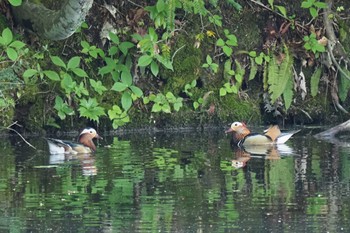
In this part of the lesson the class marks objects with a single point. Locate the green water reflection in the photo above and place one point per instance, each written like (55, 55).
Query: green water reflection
(175, 182)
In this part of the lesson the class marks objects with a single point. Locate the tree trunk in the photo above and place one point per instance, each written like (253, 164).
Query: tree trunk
(51, 24)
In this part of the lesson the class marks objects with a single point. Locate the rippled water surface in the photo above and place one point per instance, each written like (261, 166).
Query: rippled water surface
(176, 182)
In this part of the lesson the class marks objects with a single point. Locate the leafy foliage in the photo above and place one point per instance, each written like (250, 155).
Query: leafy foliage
(280, 77)
(315, 79)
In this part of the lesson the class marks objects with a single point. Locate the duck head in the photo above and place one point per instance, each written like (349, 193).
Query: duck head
(239, 130)
(86, 137)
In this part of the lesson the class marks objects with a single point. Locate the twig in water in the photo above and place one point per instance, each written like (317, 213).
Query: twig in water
(15, 123)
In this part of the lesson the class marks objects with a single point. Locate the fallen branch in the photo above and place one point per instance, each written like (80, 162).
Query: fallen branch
(330, 133)
(13, 130)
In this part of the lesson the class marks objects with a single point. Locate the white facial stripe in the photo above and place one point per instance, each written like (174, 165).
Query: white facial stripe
(236, 124)
(89, 131)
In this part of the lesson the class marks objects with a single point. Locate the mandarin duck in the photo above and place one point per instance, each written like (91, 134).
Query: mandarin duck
(243, 137)
(85, 145)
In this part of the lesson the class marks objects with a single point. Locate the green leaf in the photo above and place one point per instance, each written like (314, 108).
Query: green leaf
(113, 50)
(320, 5)
(126, 101)
(156, 107)
(160, 5)
(222, 91)
(62, 108)
(232, 40)
(58, 61)
(154, 68)
(227, 50)
(125, 46)
(252, 53)
(12, 54)
(15, 2)
(220, 42)
(209, 60)
(119, 86)
(144, 60)
(17, 44)
(315, 79)
(344, 85)
(283, 10)
(166, 108)
(90, 109)
(313, 12)
(52, 75)
(7, 36)
(136, 90)
(98, 86)
(73, 62)
(114, 38)
(271, 3)
(29, 73)
(126, 77)
(79, 72)
(307, 4)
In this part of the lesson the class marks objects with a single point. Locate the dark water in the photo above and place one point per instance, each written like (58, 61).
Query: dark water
(176, 182)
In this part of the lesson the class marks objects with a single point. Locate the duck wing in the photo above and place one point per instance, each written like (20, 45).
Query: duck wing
(284, 136)
(256, 139)
(58, 146)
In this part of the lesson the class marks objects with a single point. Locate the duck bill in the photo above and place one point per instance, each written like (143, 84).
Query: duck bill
(229, 130)
(98, 136)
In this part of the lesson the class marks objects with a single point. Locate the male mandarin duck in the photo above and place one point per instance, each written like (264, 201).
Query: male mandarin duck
(85, 145)
(243, 137)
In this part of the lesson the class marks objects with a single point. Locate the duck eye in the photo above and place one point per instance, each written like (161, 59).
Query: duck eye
(91, 132)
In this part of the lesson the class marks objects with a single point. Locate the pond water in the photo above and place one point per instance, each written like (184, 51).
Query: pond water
(176, 181)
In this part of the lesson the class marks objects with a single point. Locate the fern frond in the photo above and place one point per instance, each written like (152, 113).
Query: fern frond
(279, 75)
(253, 69)
(288, 93)
(171, 14)
(315, 79)
(344, 85)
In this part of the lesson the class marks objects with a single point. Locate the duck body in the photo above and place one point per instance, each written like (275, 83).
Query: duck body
(243, 137)
(85, 145)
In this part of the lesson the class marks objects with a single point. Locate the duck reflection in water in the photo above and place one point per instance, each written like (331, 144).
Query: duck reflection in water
(269, 151)
(87, 162)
